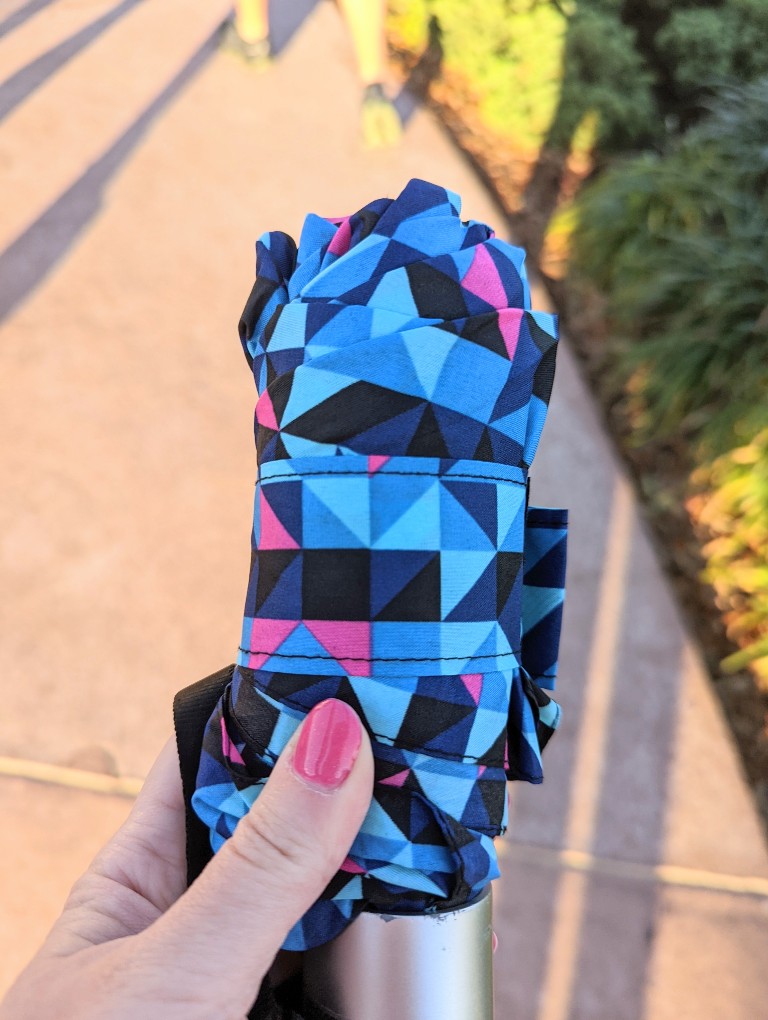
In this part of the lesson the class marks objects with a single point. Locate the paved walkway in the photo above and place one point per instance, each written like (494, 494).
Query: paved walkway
(137, 167)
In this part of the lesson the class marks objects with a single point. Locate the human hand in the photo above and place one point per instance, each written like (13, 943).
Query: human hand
(132, 942)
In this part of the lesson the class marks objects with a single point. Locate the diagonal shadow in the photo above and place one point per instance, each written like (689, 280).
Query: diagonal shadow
(17, 18)
(21, 84)
(27, 261)
(583, 944)
(415, 89)
(285, 19)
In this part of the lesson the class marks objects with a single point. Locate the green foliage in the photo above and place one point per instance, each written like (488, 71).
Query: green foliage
(735, 510)
(509, 52)
(707, 44)
(679, 245)
(604, 75)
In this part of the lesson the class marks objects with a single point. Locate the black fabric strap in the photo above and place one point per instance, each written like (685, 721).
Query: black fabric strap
(192, 708)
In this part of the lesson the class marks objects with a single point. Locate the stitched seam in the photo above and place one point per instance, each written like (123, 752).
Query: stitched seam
(359, 658)
(469, 759)
(367, 474)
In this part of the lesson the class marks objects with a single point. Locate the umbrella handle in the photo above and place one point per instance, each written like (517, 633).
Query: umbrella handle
(436, 966)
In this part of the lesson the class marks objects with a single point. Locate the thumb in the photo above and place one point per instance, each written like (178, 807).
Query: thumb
(218, 940)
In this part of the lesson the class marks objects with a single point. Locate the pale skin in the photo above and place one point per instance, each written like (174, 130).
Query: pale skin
(132, 941)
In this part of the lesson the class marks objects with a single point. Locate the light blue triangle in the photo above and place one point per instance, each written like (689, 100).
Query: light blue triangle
(393, 874)
(302, 642)
(464, 534)
(394, 293)
(289, 331)
(485, 729)
(510, 518)
(385, 321)
(298, 446)
(428, 349)
(513, 424)
(546, 539)
(451, 792)
(378, 822)
(346, 498)
(539, 602)
(503, 647)
(310, 388)
(383, 361)
(418, 527)
(353, 890)
(459, 571)
(356, 269)
(385, 707)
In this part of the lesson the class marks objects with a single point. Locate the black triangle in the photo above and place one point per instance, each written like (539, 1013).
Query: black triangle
(346, 692)
(279, 393)
(435, 294)
(272, 563)
(263, 436)
(351, 411)
(279, 451)
(427, 440)
(494, 795)
(484, 449)
(484, 331)
(508, 566)
(419, 600)
(427, 718)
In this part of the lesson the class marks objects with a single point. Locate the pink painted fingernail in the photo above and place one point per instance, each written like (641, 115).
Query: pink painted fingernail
(494, 941)
(328, 745)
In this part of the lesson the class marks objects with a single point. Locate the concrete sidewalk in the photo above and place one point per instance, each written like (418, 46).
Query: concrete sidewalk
(137, 167)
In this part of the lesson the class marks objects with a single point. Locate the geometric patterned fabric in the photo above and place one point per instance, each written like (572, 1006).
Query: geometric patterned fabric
(403, 384)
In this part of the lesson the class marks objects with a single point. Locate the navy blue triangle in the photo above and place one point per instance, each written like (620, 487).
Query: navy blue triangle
(396, 255)
(548, 571)
(319, 314)
(479, 500)
(480, 601)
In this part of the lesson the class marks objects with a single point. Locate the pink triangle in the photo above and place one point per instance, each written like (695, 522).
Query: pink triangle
(398, 779)
(482, 279)
(375, 460)
(506, 754)
(474, 684)
(340, 242)
(266, 637)
(509, 324)
(480, 770)
(229, 749)
(350, 866)
(348, 641)
(265, 412)
(272, 533)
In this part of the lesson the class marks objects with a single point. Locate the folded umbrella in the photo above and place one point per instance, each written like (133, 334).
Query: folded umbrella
(403, 385)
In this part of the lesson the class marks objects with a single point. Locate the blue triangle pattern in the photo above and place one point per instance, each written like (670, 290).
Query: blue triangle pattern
(396, 564)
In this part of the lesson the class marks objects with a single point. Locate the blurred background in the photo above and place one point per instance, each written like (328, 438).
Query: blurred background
(144, 146)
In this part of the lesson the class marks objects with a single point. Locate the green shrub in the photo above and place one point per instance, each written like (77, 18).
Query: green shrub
(734, 510)
(679, 246)
(509, 52)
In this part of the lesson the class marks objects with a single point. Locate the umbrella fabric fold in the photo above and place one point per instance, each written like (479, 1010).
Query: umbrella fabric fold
(403, 385)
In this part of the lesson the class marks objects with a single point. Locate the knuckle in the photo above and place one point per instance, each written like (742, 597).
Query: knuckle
(265, 842)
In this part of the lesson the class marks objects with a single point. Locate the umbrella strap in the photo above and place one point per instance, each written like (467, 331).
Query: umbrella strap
(192, 708)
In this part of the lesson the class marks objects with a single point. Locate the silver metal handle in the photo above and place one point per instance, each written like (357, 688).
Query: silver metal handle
(410, 966)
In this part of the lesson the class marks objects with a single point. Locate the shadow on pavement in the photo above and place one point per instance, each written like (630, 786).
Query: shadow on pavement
(21, 84)
(30, 258)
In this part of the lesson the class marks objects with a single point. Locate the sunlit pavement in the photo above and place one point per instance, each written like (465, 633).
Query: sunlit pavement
(137, 166)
